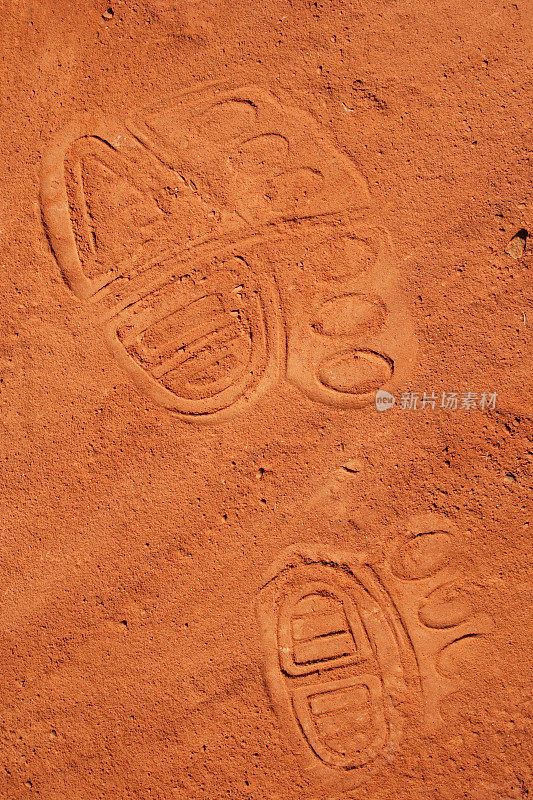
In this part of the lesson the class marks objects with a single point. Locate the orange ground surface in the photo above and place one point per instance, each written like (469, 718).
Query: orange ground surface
(265, 400)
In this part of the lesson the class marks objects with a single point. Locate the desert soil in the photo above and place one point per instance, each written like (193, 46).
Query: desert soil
(233, 234)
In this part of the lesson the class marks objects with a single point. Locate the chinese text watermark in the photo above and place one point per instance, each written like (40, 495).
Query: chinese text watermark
(448, 401)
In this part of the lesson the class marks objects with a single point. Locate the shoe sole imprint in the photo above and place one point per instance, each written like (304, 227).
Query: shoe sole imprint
(200, 342)
(349, 647)
(333, 669)
(228, 175)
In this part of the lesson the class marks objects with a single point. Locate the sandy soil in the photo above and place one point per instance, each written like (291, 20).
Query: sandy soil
(228, 570)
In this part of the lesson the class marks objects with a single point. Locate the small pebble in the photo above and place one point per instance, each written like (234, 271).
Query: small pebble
(517, 245)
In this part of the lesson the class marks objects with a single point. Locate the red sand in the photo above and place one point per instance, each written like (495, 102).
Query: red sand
(225, 572)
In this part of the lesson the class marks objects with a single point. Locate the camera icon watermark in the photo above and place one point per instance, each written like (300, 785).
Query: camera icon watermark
(384, 400)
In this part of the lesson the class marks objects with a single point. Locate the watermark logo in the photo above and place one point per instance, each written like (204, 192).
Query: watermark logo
(384, 400)
(447, 401)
